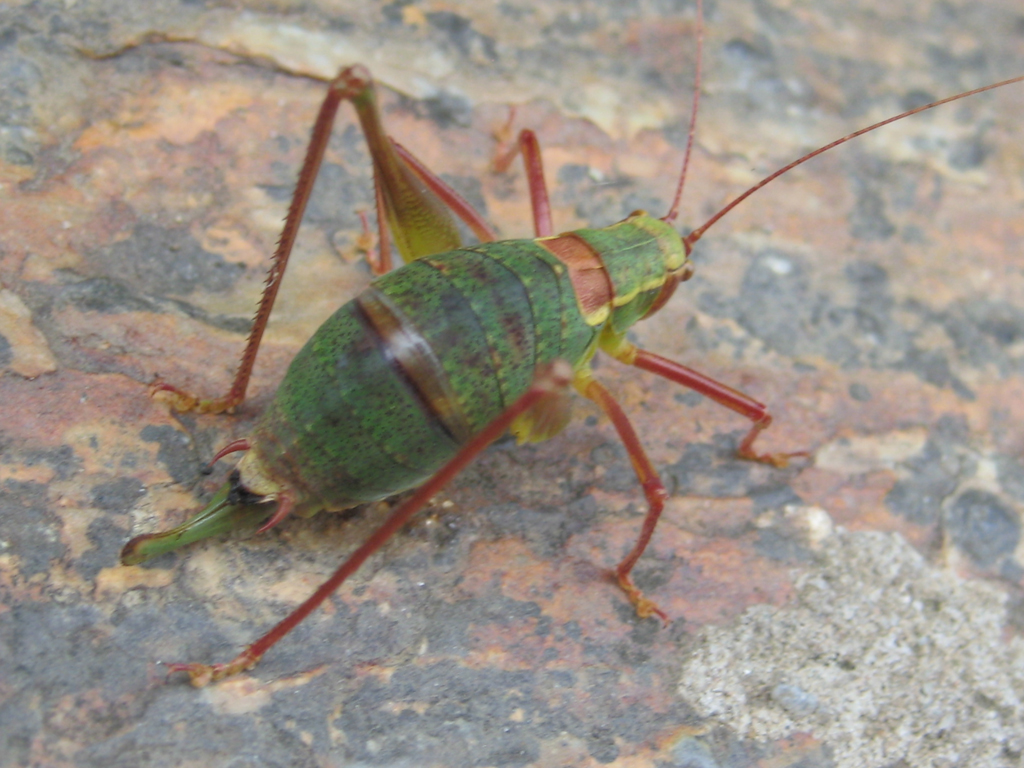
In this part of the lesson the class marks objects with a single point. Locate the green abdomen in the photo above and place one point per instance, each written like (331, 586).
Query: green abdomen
(396, 380)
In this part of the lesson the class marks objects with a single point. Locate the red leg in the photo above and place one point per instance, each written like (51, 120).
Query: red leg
(411, 200)
(503, 136)
(365, 241)
(548, 383)
(654, 491)
(340, 88)
(380, 263)
(530, 149)
(722, 394)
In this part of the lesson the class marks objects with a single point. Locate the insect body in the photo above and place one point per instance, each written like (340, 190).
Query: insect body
(432, 353)
(408, 382)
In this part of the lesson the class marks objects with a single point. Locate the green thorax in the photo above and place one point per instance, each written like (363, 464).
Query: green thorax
(638, 255)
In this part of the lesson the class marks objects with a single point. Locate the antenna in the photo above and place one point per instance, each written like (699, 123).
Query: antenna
(696, 235)
(673, 212)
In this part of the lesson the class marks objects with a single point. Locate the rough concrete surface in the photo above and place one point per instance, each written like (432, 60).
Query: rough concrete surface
(873, 298)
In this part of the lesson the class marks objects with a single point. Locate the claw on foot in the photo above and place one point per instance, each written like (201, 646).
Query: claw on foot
(185, 402)
(201, 675)
(777, 460)
(645, 607)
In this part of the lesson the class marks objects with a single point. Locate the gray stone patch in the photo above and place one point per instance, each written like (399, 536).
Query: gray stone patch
(883, 657)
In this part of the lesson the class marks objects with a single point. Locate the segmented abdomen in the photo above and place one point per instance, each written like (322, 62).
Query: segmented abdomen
(396, 380)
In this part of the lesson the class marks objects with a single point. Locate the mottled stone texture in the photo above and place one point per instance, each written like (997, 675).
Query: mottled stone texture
(875, 298)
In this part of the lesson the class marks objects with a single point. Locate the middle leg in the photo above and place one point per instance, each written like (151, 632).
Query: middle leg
(654, 489)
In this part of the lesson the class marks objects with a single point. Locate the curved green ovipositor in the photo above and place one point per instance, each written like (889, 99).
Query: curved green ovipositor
(225, 512)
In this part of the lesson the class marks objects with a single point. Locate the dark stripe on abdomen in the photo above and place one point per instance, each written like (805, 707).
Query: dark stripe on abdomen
(351, 424)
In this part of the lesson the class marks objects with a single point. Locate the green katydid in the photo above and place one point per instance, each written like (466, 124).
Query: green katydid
(407, 383)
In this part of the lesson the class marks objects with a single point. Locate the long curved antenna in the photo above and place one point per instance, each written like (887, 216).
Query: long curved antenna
(696, 235)
(673, 212)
